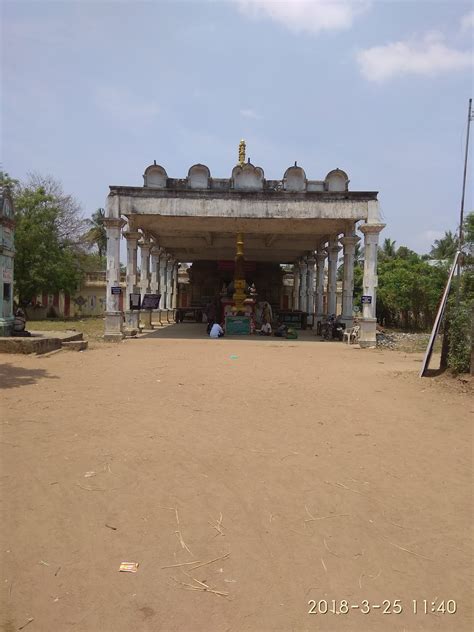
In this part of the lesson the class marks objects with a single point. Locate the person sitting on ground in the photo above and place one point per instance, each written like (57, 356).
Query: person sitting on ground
(19, 323)
(266, 329)
(281, 330)
(216, 331)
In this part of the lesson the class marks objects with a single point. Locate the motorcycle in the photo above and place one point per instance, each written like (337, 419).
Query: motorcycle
(332, 328)
(338, 329)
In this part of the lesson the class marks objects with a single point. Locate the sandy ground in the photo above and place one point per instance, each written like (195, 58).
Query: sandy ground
(314, 471)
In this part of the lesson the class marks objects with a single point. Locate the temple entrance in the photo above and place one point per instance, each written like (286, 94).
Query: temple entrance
(213, 281)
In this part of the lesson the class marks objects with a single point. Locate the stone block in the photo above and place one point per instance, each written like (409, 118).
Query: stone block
(75, 345)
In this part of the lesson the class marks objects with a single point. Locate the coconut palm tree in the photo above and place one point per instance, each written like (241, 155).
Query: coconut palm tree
(444, 248)
(97, 234)
(387, 250)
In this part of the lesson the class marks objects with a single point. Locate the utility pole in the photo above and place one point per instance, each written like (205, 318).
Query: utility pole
(461, 219)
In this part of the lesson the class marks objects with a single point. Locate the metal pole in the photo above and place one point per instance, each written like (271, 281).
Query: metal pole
(461, 219)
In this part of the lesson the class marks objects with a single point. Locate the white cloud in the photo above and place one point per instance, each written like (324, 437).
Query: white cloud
(430, 56)
(249, 113)
(306, 15)
(467, 21)
(124, 106)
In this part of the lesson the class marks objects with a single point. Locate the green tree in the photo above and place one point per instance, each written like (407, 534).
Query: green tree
(405, 253)
(7, 181)
(48, 250)
(387, 250)
(469, 229)
(409, 291)
(97, 234)
(444, 248)
(467, 279)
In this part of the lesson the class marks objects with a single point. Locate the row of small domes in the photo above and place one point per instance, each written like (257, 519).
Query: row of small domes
(247, 175)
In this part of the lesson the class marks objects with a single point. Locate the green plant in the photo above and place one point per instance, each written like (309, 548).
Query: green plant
(459, 338)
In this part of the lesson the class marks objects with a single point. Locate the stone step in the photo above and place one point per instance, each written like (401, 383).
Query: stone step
(75, 345)
(71, 335)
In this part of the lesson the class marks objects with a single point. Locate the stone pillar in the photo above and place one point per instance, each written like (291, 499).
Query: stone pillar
(296, 285)
(310, 284)
(113, 313)
(163, 261)
(332, 251)
(155, 270)
(170, 282)
(131, 317)
(145, 247)
(175, 285)
(368, 323)
(303, 285)
(320, 259)
(349, 242)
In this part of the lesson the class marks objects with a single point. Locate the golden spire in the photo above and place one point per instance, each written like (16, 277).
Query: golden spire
(242, 153)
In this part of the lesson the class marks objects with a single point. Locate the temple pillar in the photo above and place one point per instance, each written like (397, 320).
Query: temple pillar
(113, 313)
(303, 285)
(296, 286)
(333, 251)
(320, 259)
(169, 282)
(145, 247)
(368, 324)
(349, 242)
(154, 269)
(131, 316)
(163, 267)
(175, 285)
(310, 284)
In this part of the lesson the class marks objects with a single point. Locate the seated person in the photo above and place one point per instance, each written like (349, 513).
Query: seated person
(19, 323)
(266, 329)
(281, 330)
(216, 331)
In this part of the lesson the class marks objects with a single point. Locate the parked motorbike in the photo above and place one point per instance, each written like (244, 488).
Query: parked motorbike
(338, 329)
(333, 328)
(327, 327)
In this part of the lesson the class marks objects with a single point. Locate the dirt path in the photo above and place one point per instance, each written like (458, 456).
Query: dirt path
(319, 471)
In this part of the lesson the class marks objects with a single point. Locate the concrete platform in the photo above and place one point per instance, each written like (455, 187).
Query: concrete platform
(40, 342)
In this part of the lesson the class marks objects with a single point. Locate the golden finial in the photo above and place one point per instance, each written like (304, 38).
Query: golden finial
(242, 153)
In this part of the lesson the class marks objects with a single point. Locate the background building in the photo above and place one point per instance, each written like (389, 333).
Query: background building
(7, 255)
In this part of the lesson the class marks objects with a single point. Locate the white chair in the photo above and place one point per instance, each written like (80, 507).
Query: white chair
(351, 334)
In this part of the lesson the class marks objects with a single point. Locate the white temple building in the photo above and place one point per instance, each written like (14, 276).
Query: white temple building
(298, 221)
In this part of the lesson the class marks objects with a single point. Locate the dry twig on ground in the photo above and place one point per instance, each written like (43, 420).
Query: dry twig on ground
(202, 587)
(328, 549)
(218, 526)
(181, 564)
(223, 557)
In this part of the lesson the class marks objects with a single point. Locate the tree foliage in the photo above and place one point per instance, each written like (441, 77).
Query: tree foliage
(69, 222)
(7, 181)
(49, 239)
(445, 248)
(97, 235)
(459, 337)
(387, 250)
(409, 291)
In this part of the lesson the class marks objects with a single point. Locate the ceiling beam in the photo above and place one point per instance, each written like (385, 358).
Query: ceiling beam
(269, 239)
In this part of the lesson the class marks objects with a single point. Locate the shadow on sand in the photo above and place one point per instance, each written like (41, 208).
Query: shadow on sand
(14, 376)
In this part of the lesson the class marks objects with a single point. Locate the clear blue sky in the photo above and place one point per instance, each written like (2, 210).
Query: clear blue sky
(93, 92)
